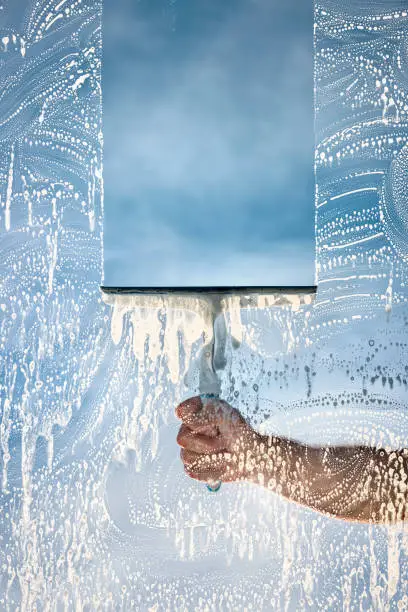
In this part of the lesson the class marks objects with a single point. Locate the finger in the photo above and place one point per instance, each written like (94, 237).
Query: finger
(202, 466)
(203, 476)
(198, 416)
(213, 413)
(211, 475)
(202, 462)
(222, 466)
(205, 430)
(211, 471)
(199, 443)
(210, 414)
(190, 457)
(189, 407)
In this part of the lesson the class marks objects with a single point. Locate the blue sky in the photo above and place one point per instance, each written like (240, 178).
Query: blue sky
(208, 131)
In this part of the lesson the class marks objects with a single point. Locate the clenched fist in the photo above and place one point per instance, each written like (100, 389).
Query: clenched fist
(217, 443)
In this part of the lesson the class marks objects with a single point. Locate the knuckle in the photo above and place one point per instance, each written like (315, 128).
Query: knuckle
(180, 438)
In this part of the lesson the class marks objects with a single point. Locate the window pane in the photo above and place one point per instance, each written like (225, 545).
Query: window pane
(208, 133)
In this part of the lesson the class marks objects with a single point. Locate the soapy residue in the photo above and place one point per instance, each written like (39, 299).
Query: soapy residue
(96, 511)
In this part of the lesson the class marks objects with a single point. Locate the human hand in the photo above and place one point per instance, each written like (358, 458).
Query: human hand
(217, 443)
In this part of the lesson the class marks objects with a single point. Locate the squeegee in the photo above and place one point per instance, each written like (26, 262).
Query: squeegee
(208, 165)
(210, 305)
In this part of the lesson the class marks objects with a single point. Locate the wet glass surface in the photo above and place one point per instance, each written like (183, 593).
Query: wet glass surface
(96, 510)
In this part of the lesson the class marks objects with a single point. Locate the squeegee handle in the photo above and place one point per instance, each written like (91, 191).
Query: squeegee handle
(212, 486)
